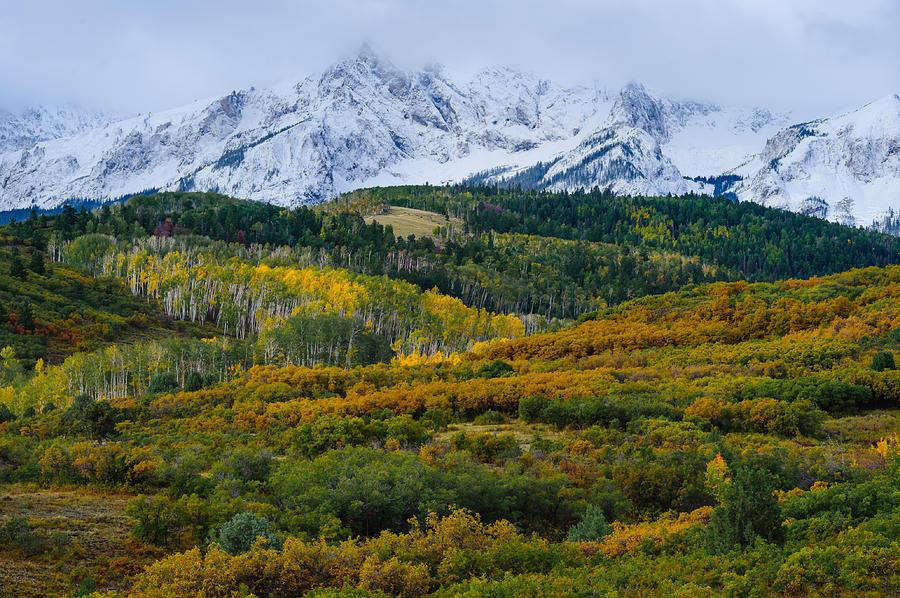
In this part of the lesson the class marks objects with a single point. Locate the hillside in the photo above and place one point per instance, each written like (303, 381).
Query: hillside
(553, 255)
(49, 311)
(752, 241)
(299, 420)
(633, 432)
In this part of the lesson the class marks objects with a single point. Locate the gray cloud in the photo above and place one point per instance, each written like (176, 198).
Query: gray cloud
(815, 56)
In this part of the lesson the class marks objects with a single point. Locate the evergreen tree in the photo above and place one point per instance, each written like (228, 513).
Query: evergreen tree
(193, 381)
(164, 382)
(883, 360)
(748, 510)
(17, 268)
(26, 316)
(5, 414)
(100, 419)
(240, 533)
(592, 527)
(36, 264)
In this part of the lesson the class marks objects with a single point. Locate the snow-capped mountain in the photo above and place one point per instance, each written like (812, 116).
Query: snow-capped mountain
(359, 121)
(845, 168)
(23, 129)
(365, 122)
(624, 159)
(649, 145)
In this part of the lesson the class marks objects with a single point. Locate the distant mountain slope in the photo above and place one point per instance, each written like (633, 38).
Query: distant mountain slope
(24, 129)
(846, 167)
(649, 146)
(363, 122)
(304, 143)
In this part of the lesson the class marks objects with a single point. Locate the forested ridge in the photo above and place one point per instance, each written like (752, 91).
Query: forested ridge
(761, 243)
(552, 254)
(551, 395)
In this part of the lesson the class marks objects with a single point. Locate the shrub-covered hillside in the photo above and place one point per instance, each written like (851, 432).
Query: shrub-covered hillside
(341, 430)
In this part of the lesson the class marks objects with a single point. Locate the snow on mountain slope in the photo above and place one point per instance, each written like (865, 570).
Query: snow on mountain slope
(846, 167)
(622, 158)
(364, 122)
(24, 129)
(713, 141)
(648, 145)
(304, 143)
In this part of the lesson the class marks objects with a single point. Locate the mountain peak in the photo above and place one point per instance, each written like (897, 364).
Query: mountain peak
(888, 102)
(879, 117)
(891, 102)
(366, 54)
(635, 107)
(634, 88)
(365, 50)
(356, 73)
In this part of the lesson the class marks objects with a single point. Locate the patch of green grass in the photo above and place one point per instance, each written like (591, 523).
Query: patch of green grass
(409, 221)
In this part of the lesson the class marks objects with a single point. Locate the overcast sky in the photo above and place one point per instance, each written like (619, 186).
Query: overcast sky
(813, 56)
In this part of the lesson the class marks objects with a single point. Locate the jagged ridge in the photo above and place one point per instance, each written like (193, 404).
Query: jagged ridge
(364, 122)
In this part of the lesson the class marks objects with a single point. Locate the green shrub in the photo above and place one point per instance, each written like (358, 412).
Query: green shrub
(6, 415)
(326, 432)
(238, 535)
(883, 360)
(406, 430)
(156, 519)
(436, 419)
(856, 501)
(495, 369)
(17, 533)
(96, 419)
(183, 471)
(488, 447)
(831, 395)
(245, 464)
(592, 527)
(749, 510)
(531, 408)
(490, 417)
(100, 419)
(160, 383)
(369, 490)
(180, 523)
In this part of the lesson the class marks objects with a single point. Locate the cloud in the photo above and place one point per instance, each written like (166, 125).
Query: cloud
(815, 56)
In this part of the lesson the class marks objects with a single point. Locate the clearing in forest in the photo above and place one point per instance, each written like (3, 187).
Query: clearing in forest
(410, 221)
